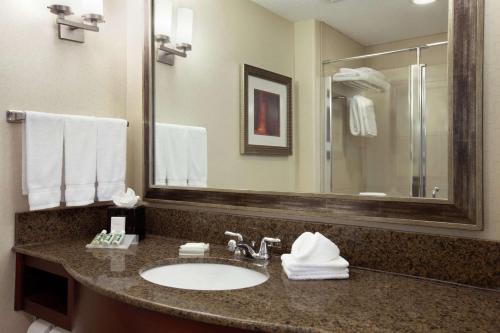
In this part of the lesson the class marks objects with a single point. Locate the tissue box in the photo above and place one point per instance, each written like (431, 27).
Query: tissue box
(134, 219)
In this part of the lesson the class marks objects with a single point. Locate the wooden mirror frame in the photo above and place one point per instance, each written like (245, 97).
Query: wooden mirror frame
(462, 210)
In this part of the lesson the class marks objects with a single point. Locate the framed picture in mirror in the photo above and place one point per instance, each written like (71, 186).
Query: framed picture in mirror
(266, 113)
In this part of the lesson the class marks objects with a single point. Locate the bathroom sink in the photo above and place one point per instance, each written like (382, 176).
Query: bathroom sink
(204, 276)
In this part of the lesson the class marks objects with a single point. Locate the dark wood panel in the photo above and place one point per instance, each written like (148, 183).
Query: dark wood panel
(99, 314)
(44, 290)
(465, 207)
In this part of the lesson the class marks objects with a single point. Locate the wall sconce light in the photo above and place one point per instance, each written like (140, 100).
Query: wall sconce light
(166, 52)
(74, 31)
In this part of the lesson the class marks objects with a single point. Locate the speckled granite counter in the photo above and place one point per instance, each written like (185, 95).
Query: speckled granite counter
(367, 302)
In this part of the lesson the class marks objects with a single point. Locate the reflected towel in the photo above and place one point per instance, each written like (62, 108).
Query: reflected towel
(172, 155)
(197, 157)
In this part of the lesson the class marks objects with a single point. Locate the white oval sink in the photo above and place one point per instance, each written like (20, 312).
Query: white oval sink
(204, 276)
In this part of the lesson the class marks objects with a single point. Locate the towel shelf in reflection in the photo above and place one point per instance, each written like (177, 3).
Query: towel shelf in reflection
(16, 116)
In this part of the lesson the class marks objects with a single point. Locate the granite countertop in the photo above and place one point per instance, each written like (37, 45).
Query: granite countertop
(368, 301)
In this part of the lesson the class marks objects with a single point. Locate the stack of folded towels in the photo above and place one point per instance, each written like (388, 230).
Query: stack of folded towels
(193, 249)
(314, 257)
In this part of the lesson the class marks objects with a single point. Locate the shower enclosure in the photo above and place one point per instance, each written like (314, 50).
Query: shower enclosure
(410, 99)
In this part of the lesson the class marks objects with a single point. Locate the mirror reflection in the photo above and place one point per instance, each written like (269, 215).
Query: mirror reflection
(320, 96)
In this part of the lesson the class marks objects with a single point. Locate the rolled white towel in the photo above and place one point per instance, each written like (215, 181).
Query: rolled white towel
(314, 248)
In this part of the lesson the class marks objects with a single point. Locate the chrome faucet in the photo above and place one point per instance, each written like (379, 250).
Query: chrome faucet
(245, 248)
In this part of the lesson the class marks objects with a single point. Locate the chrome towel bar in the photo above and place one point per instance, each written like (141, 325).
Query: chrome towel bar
(16, 116)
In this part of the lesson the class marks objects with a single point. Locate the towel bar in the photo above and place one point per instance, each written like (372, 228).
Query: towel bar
(16, 116)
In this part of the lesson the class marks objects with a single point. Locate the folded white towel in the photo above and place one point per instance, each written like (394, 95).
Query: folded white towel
(368, 116)
(362, 121)
(364, 76)
(362, 70)
(314, 248)
(197, 157)
(314, 257)
(80, 154)
(172, 151)
(354, 117)
(317, 276)
(373, 194)
(161, 156)
(111, 157)
(42, 159)
(292, 264)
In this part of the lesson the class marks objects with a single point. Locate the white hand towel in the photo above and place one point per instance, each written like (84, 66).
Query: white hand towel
(354, 117)
(314, 248)
(39, 326)
(161, 156)
(338, 264)
(368, 116)
(42, 159)
(197, 157)
(80, 154)
(111, 157)
(175, 146)
(317, 276)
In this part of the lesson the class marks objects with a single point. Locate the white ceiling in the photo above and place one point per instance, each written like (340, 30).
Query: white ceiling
(368, 22)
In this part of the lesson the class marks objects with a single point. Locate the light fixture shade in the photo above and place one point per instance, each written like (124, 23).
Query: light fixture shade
(76, 5)
(95, 7)
(184, 26)
(163, 17)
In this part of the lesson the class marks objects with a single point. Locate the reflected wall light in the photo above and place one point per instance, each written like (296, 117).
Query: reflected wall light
(74, 31)
(166, 52)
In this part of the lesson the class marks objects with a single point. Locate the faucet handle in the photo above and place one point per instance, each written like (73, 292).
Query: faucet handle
(263, 252)
(271, 241)
(234, 234)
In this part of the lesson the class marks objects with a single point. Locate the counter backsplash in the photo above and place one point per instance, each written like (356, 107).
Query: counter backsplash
(460, 260)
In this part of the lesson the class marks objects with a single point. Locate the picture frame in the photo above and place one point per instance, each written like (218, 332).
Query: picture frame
(266, 113)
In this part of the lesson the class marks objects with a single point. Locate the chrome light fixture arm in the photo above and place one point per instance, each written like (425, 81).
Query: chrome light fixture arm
(71, 30)
(166, 54)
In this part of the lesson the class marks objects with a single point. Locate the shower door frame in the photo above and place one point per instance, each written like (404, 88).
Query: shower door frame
(417, 108)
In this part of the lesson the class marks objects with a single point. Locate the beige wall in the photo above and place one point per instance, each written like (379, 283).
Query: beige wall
(307, 86)
(347, 150)
(204, 89)
(40, 72)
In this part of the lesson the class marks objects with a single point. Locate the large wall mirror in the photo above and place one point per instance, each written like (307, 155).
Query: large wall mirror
(355, 108)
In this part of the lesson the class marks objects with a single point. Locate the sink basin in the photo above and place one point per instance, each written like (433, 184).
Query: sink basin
(204, 276)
